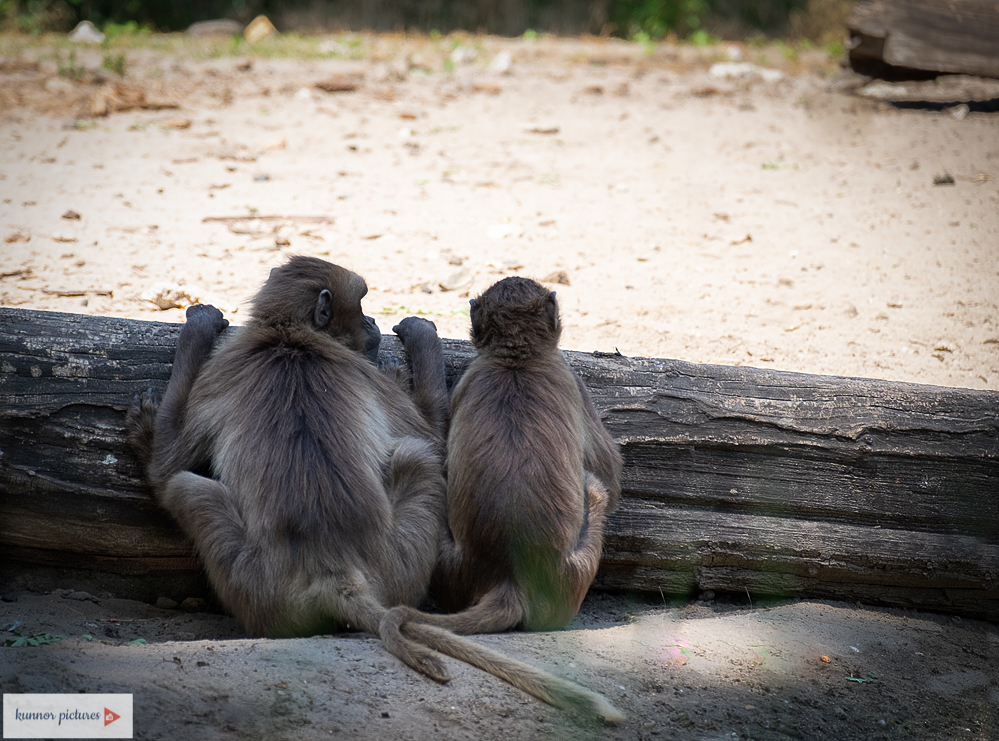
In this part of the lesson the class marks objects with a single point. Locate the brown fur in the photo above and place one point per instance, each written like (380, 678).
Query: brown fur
(532, 474)
(310, 483)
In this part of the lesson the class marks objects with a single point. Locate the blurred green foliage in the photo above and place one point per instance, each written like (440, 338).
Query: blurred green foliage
(646, 21)
(656, 18)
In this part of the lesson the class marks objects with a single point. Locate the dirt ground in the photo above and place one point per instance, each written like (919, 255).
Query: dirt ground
(705, 671)
(777, 219)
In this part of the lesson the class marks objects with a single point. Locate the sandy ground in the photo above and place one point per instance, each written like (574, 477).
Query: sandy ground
(718, 220)
(772, 223)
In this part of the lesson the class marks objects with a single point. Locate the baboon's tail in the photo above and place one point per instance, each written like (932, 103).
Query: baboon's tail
(140, 421)
(358, 608)
(491, 614)
(499, 609)
(555, 691)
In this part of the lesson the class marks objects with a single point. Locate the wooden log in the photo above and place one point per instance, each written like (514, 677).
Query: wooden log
(900, 39)
(736, 479)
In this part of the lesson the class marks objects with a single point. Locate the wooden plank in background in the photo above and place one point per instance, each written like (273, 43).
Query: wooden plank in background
(936, 36)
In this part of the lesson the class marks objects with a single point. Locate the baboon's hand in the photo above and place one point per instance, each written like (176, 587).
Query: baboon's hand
(415, 329)
(206, 316)
(373, 339)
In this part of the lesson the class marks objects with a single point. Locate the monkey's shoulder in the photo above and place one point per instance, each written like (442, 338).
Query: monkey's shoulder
(547, 369)
(300, 378)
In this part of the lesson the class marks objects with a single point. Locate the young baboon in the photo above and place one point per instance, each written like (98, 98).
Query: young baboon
(310, 482)
(532, 474)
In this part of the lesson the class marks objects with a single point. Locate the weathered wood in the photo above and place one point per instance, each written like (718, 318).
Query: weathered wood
(735, 479)
(900, 38)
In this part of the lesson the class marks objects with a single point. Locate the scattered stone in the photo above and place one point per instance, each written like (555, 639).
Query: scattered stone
(218, 27)
(559, 276)
(463, 55)
(944, 179)
(86, 33)
(743, 70)
(80, 596)
(501, 63)
(15, 237)
(259, 29)
(457, 281)
(193, 604)
(9, 597)
(71, 215)
(959, 111)
(339, 84)
(884, 90)
(177, 123)
(165, 603)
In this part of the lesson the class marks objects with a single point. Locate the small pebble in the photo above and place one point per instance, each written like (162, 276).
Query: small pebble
(193, 604)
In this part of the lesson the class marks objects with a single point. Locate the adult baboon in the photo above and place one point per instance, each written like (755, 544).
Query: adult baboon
(531, 475)
(310, 482)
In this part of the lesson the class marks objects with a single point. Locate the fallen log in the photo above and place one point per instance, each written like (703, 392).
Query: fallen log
(736, 479)
(916, 39)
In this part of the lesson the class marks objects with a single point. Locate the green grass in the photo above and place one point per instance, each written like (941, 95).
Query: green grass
(69, 68)
(114, 63)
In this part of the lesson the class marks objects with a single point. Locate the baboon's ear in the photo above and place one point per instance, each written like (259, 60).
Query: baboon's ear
(324, 309)
(551, 306)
